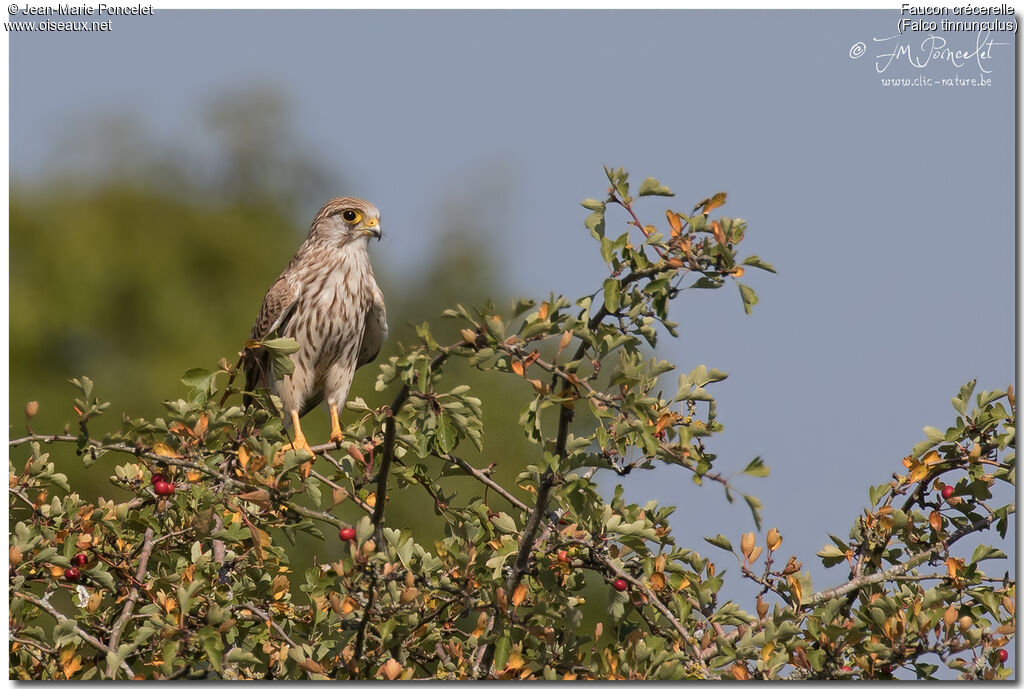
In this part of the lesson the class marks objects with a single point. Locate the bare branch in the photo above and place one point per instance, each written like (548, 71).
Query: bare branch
(60, 617)
(133, 596)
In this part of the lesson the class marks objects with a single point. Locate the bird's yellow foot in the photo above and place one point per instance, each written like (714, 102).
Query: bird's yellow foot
(336, 435)
(298, 444)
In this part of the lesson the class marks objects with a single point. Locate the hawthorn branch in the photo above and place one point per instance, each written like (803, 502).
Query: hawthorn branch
(128, 450)
(659, 606)
(371, 598)
(482, 476)
(894, 573)
(133, 596)
(60, 617)
(902, 568)
(266, 617)
(389, 447)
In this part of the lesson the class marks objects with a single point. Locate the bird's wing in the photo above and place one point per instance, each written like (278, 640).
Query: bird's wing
(278, 307)
(375, 331)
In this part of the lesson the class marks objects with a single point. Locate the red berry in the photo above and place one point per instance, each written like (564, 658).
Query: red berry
(563, 556)
(620, 585)
(1003, 655)
(72, 574)
(80, 560)
(947, 492)
(347, 534)
(163, 488)
(156, 478)
(847, 668)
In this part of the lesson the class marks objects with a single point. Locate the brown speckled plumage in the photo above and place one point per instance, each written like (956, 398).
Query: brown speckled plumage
(328, 301)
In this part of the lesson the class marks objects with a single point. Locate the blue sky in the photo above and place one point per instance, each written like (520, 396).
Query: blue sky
(888, 210)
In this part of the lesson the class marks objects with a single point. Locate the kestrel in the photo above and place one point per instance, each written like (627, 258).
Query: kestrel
(328, 301)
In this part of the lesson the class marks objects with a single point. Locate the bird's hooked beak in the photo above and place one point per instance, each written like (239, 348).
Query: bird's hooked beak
(372, 229)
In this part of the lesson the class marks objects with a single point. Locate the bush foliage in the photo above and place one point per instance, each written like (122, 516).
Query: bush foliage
(196, 583)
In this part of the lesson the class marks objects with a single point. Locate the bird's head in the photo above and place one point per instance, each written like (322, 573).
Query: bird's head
(347, 219)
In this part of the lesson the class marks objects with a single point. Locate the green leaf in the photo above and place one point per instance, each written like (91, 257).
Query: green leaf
(281, 345)
(748, 296)
(987, 552)
(240, 655)
(595, 223)
(756, 262)
(831, 555)
(501, 650)
(757, 467)
(445, 437)
(720, 541)
(755, 509)
(213, 645)
(611, 295)
(652, 187)
(198, 378)
(102, 577)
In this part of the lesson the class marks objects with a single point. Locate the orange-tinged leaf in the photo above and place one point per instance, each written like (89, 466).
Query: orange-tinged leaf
(935, 520)
(954, 565)
(338, 495)
(481, 625)
(795, 588)
(747, 544)
(260, 497)
(919, 473)
(951, 615)
(164, 450)
(932, 458)
(179, 428)
(311, 665)
(739, 672)
(192, 476)
(714, 202)
(70, 662)
(348, 605)
(279, 586)
(657, 581)
(716, 230)
(355, 454)
(564, 342)
(542, 310)
(674, 222)
(243, 456)
(201, 425)
(515, 660)
(762, 607)
(517, 368)
(519, 595)
(391, 669)
(755, 553)
(773, 539)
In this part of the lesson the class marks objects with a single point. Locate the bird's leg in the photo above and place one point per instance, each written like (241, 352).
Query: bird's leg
(300, 440)
(336, 434)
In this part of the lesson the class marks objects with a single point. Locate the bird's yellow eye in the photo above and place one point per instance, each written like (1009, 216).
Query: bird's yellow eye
(351, 216)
